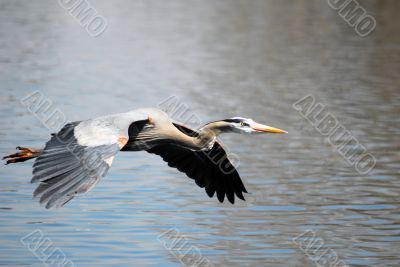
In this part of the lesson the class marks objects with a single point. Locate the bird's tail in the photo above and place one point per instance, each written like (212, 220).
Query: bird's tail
(24, 154)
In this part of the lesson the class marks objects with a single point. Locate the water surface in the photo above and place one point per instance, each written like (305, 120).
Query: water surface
(221, 59)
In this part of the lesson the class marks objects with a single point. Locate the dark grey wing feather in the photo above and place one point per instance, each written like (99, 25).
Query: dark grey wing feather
(65, 168)
(210, 169)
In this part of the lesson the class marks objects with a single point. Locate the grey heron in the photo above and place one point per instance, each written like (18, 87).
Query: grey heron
(75, 159)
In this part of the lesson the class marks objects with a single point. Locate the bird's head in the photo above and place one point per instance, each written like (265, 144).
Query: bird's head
(243, 126)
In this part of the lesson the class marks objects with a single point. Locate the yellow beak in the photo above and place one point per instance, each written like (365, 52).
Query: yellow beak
(267, 129)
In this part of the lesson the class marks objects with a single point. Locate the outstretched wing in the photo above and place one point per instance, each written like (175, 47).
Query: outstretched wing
(66, 168)
(210, 169)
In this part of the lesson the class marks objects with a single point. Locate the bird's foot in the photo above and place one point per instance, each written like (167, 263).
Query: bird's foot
(24, 154)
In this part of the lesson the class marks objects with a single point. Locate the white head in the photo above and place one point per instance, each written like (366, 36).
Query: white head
(248, 126)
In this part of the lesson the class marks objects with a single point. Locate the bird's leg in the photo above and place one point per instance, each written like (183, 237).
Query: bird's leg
(24, 154)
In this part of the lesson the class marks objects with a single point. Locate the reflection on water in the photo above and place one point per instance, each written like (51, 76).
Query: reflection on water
(225, 58)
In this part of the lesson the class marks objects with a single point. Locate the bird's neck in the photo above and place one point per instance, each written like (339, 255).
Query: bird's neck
(203, 140)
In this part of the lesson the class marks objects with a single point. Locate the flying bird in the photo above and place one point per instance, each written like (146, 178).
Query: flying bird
(75, 159)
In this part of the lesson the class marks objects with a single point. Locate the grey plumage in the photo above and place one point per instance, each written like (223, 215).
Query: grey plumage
(65, 168)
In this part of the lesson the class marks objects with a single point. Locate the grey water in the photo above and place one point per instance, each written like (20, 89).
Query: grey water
(220, 59)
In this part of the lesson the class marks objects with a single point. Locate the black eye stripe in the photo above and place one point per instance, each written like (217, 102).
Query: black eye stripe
(233, 120)
(239, 121)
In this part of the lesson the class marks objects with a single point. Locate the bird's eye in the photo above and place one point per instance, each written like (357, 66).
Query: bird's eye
(241, 123)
